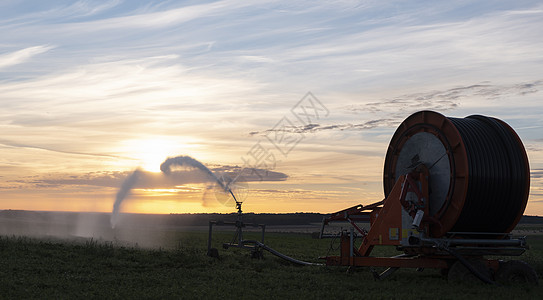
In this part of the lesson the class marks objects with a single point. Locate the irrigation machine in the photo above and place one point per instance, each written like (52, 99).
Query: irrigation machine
(455, 188)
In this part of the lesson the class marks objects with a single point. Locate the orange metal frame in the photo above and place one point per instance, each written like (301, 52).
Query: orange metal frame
(386, 226)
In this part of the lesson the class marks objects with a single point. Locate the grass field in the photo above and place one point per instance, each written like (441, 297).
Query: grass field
(58, 268)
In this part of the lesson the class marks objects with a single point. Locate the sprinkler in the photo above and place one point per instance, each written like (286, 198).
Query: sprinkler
(238, 241)
(254, 246)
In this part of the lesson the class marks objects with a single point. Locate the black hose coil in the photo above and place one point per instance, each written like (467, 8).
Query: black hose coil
(498, 175)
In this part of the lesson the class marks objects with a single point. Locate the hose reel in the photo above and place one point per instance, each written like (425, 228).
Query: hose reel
(479, 176)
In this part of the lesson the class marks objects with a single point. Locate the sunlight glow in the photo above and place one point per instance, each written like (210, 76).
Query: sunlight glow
(150, 153)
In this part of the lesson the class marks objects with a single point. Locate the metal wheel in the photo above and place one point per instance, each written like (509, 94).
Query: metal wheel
(459, 273)
(516, 271)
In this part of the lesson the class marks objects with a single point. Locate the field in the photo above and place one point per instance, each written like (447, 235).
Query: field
(62, 267)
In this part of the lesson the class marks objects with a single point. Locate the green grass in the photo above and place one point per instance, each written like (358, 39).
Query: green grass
(32, 268)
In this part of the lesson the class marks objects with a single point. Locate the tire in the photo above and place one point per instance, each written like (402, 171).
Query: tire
(459, 273)
(516, 271)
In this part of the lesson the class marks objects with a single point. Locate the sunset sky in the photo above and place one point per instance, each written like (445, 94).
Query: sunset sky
(92, 90)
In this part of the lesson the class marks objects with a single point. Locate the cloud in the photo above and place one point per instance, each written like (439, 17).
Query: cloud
(94, 107)
(531, 147)
(250, 174)
(536, 173)
(57, 13)
(312, 128)
(287, 192)
(109, 86)
(147, 180)
(84, 9)
(21, 56)
(18, 145)
(448, 99)
(74, 19)
(299, 194)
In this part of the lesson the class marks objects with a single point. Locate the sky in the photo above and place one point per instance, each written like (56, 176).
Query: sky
(92, 90)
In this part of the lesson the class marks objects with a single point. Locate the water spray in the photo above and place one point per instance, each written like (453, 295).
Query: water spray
(127, 185)
(165, 167)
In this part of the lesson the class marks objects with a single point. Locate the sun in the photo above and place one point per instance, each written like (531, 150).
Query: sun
(150, 153)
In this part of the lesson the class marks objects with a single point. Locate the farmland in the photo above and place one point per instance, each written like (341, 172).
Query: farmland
(62, 267)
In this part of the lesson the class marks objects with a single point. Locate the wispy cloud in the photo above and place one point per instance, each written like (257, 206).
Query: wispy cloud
(448, 99)
(169, 17)
(536, 173)
(22, 146)
(58, 12)
(312, 128)
(147, 180)
(21, 56)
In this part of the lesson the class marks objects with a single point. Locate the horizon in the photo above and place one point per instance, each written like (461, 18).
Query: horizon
(204, 213)
(93, 90)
